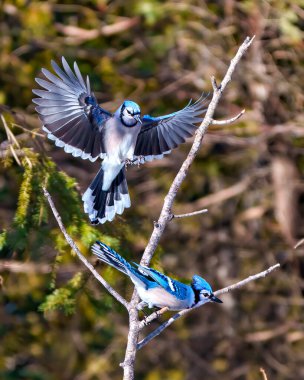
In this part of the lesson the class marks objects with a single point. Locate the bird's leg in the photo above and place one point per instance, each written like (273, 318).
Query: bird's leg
(141, 306)
(145, 314)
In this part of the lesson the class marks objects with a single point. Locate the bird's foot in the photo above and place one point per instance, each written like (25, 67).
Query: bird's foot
(140, 160)
(128, 162)
(155, 315)
(94, 222)
(135, 161)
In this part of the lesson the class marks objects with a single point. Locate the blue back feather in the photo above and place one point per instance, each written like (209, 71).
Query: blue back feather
(176, 288)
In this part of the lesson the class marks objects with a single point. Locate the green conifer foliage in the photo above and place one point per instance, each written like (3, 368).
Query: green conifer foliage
(33, 225)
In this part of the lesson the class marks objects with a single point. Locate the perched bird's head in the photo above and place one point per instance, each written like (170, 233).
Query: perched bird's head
(130, 113)
(203, 290)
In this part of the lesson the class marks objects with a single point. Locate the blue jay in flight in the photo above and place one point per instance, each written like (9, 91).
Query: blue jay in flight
(72, 118)
(154, 288)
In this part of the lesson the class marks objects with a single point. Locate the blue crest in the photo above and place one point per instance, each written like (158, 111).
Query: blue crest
(133, 105)
(198, 283)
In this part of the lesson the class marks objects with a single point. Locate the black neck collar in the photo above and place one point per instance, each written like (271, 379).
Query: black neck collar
(122, 120)
(196, 295)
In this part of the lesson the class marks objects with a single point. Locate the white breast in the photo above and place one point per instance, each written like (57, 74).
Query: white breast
(120, 141)
(159, 297)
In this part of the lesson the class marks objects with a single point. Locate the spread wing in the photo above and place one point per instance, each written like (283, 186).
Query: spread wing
(178, 289)
(70, 113)
(158, 135)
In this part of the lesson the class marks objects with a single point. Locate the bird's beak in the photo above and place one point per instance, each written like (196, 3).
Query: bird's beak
(215, 299)
(137, 117)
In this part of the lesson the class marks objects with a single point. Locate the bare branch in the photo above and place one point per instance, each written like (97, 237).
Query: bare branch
(242, 50)
(247, 280)
(77, 35)
(300, 242)
(265, 335)
(228, 121)
(30, 131)
(73, 245)
(165, 215)
(224, 194)
(12, 142)
(263, 373)
(14, 266)
(130, 355)
(11, 138)
(237, 285)
(214, 84)
(174, 216)
(20, 267)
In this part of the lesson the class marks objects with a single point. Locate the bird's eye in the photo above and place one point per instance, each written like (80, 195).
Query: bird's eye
(129, 112)
(205, 294)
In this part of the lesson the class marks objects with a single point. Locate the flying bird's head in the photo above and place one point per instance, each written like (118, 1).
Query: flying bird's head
(203, 291)
(130, 113)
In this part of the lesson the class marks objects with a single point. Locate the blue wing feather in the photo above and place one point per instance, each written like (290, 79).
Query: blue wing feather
(176, 288)
(147, 119)
(159, 135)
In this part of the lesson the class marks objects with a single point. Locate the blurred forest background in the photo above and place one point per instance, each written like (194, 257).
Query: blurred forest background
(56, 321)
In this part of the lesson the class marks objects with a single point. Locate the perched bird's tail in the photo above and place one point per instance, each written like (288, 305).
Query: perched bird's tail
(102, 205)
(109, 256)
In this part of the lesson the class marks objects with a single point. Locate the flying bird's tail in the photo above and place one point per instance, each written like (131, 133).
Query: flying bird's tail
(103, 205)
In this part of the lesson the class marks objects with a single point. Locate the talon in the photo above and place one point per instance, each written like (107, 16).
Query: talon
(141, 159)
(135, 161)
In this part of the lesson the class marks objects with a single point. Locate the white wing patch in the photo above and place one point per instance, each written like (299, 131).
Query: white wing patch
(142, 159)
(70, 149)
(171, 285)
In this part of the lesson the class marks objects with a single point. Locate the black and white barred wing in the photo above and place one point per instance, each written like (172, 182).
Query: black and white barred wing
(109, 256)
(158, 135)
(70, 113)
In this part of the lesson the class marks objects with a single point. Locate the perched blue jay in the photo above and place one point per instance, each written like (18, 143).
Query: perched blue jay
(72, 118)
(153, 287)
